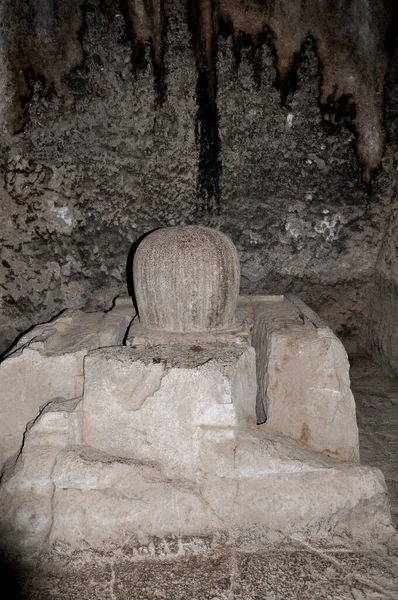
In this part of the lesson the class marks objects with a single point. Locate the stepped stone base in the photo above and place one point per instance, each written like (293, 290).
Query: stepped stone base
(160, 442)
(62, 492)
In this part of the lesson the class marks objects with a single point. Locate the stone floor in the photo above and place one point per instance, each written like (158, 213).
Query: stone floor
(285, 569)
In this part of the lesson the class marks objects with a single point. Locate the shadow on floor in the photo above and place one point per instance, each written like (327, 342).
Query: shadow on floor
(10, 579)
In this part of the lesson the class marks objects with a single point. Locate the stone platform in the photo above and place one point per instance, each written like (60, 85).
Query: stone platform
(62, 491)
(162, 439)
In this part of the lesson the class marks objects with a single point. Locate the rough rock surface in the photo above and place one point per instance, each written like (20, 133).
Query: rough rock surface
(383, 333)
(303, 384)
(286, 568)
(47, 362)
(59, 491)
(384, 297)
(99, 161)
(177, 405)
(376, 396)
(251, 564)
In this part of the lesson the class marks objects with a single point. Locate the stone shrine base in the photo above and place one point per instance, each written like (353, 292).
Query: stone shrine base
(63, 492)
(161, 453)
(256, 564)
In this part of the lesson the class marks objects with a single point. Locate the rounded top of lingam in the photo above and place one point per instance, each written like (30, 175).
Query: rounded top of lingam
(186, 279)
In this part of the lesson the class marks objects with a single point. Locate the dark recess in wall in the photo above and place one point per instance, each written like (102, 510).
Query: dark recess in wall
(204, 39)
(152, 29)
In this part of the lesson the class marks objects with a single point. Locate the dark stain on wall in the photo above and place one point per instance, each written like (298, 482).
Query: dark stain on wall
(42, 41)
(350, 39)
(146, 24)
(204, 36)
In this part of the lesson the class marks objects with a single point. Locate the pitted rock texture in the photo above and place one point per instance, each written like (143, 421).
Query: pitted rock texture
(125, 126)
(282, 569)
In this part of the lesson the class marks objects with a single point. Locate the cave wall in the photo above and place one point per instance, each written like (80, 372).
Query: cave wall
(262, 118)
(383, 313)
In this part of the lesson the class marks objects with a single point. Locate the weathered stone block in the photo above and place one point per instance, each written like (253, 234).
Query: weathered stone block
(29, 379)
(27, 486)
(48, 362)
(106, 500)
(102, 499)
(303, 378)
(168, 403)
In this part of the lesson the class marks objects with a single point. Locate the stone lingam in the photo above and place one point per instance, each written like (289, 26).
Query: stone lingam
(206, 414)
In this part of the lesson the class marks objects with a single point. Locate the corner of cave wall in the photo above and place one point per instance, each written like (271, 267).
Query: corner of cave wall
(383, 322)
(383, 306)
